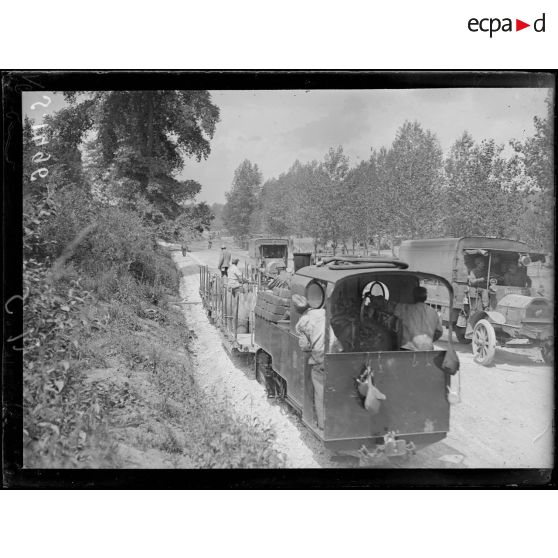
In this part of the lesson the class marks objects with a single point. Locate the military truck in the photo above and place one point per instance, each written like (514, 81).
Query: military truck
(496, 313)
(267, 256)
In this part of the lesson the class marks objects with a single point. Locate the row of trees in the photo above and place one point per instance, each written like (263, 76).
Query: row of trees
(409, 190)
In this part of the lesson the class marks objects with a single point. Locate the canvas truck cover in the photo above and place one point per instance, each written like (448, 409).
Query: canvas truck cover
(444, 256)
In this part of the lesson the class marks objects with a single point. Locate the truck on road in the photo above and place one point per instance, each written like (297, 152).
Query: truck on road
(493, 312)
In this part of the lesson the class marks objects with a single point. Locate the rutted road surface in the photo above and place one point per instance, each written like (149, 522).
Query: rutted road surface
(504, 419)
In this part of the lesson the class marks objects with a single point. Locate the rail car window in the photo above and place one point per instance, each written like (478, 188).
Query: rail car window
(364, 321)
(376, 288)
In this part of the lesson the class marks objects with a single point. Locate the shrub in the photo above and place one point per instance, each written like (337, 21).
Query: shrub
(70, 211)
(54, 355)
(67, 420)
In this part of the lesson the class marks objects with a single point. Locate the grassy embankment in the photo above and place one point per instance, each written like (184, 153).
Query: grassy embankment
(107, 368)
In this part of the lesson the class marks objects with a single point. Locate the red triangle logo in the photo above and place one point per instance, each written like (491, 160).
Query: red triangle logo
(519, 25)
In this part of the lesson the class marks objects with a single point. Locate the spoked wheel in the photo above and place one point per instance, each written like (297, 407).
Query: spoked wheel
(484, 342)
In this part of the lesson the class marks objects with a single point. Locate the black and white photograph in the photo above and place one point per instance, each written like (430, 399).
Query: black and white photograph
(272, 275)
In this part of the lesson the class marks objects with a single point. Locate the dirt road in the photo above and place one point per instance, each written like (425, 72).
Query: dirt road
(504, 419)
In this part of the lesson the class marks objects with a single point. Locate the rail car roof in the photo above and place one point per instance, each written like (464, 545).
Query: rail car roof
(332, 273)
(335, 277)
(332, 276)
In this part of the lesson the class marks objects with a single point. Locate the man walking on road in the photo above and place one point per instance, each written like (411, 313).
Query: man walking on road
(224, 261)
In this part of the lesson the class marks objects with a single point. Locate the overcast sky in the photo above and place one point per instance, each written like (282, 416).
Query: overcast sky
(274, 128)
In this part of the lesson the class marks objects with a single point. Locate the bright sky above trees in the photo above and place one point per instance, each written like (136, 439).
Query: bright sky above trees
(274, 128)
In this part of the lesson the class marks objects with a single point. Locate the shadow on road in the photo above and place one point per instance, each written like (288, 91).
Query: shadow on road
(504, 355)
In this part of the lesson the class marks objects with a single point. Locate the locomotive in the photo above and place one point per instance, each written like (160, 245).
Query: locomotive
(416, 384)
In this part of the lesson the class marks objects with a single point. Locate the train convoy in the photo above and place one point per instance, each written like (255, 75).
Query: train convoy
(416, 386)
(416, 389)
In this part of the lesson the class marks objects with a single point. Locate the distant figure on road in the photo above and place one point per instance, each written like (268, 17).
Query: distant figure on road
(224, 261)
(209, 244)
(184, 248)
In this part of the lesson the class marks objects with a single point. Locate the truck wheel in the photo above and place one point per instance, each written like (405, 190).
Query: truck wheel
(547, 351)
(460, 334)
(484, 342)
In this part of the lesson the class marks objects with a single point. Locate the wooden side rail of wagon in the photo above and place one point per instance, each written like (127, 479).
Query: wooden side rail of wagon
(224, 310)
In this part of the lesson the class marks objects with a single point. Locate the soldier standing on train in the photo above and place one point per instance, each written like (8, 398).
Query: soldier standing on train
(310, 329)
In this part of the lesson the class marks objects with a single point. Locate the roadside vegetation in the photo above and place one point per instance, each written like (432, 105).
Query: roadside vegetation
(107, 374)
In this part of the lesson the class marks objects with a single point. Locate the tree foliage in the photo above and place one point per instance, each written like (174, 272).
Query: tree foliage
(410, 190)
(242, 200)
(413, 172)
(197, 217)
(536, 158)
(142, 139)
(472, 190)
